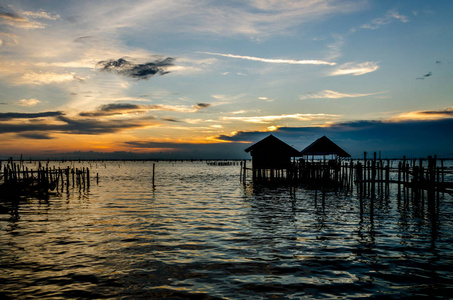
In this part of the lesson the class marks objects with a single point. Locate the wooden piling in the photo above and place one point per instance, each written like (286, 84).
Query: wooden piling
(154, 168)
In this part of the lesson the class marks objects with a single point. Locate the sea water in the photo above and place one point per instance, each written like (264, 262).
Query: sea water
(201, 233)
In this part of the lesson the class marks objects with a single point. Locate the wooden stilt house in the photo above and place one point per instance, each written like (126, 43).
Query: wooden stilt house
(272, 158)
(324, 147)
(325, 170)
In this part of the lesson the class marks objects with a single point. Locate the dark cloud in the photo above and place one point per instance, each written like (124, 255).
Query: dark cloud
(111, 110)
(125, 108)
(394, 139)
(96, 126)
(119, 106)
(8, 14)
(35, 136)
(137, 71)
(202, 105)
(170, 120)
(82, 38)
(69, 125)
(13, 115)
(191, 151)
(425, 76)
(445, 112)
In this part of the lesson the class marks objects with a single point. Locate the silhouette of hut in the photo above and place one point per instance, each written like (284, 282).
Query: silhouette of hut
(271, 156)
(323, 147)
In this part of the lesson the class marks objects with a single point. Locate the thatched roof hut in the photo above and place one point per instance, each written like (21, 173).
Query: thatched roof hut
(323, 147)
(271, 153)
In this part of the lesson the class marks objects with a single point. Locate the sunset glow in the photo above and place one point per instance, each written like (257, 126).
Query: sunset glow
(181, 79)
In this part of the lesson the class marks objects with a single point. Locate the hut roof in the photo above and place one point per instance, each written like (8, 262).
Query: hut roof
(272, 143)
(324, 146)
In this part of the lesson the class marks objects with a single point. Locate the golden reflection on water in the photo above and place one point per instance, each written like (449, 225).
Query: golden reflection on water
(201, 231)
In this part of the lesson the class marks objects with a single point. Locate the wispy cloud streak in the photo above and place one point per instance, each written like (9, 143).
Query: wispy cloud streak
(355, 69)
(275, 61)
(446, 113)
(389, 17)
(28, 102)
(12, 18)
(328, 94)
(267, 119)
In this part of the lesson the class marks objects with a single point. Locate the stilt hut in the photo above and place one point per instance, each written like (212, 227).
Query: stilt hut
(324, 147)
(271, 159)
(324, 172)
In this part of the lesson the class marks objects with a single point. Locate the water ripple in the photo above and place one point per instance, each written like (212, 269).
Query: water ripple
(201, 234)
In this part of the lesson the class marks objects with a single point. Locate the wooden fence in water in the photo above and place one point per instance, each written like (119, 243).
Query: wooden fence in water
(18, 180)
(368, 176)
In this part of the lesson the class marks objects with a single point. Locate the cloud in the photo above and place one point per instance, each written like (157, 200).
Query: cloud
(355, 69)
(13, 115)
(390, 16)
(8, 39)
(35, 136)
(67, 125)
(393, 139)
(137, 71)
(328, 94)
(185, 150)
(98, 126)
(414, 134)
(113, 109)
(28, 102)
(201, 105)
(425, 115)
(275, 61)
(429, 74)
(10, 17)
(42, 125)
(40, 14)
(335, 46)
(253, 19)
(268, 119)
(39, 78)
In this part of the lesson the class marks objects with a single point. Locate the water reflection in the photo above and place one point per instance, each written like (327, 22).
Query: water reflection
(202, 233)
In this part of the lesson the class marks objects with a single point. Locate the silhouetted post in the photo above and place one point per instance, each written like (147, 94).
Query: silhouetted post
(379, 178)
(399, 181)
(387, 179)
(437, 184)
(5, 174)
(360, 186)
(442, 170)
(351, 176)
(83, 177)
(154, 168)
(244, 172)
(373, 176)
(431, 172)
(67, 180)
(415, 183)
(240, 171)
(88, 178)
(373, 179)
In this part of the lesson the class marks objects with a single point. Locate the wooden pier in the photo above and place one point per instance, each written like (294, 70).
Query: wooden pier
(368, 176)
(18, 180)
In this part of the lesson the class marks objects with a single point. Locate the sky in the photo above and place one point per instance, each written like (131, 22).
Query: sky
(207, 79)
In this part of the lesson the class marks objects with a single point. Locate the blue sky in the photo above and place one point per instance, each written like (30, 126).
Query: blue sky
(207, 78)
